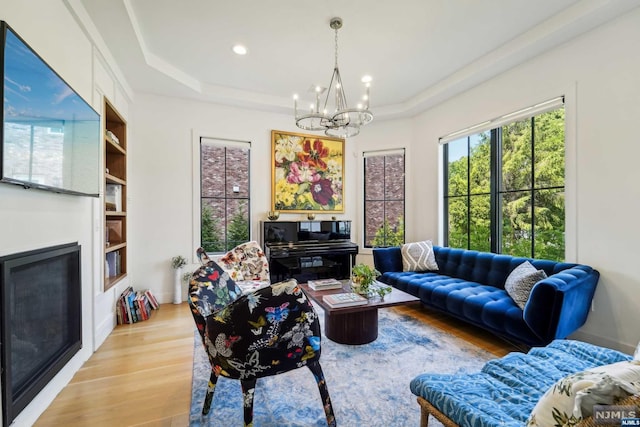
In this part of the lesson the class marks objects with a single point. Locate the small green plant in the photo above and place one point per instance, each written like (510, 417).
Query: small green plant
(364, 275)
(178, 262)
(363, 280)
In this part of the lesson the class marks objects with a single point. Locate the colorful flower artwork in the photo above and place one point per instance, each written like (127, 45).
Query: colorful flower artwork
(307, 173)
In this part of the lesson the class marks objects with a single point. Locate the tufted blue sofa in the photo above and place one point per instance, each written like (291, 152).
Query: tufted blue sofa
(469, 285)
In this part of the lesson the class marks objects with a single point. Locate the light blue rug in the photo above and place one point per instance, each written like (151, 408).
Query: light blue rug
(368, 384)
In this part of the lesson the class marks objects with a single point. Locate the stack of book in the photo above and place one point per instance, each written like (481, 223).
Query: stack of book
(323, 284)
(135, 306)
(347, 299)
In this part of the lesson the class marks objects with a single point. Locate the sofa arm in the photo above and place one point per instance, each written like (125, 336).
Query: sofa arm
(560, 304)
(387, 259)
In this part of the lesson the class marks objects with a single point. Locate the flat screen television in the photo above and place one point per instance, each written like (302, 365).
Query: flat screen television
(50, 137)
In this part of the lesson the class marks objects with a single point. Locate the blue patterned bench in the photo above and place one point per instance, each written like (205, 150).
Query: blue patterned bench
(506, 390)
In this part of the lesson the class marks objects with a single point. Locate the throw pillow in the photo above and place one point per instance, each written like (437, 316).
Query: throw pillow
(521, 281)
(572, 398)
(246, 262)
(418, 256)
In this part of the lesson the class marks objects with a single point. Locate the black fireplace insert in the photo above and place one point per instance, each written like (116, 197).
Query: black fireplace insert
(40, 322)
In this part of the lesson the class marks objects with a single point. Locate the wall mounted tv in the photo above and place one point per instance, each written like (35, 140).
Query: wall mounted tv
(50, 136)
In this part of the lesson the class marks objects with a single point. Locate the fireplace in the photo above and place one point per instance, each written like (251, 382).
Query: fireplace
(40, 322)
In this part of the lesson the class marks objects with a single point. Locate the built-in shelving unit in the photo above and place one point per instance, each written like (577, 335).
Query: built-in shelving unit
(115, 196)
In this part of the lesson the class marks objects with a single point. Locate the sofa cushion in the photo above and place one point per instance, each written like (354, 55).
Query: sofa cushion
(572, 397)
(486, 306)
(520, 282)
(418, 256)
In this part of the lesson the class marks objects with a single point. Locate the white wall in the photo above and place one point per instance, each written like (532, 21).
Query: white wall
(32, 219)
(598, 73)
(161, 173)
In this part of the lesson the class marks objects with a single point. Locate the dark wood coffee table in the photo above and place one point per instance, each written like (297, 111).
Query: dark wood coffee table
(358, 324)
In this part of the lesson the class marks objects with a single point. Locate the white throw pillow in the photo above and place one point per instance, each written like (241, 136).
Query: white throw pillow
(520, 282)
(418, 256)
(572, 398)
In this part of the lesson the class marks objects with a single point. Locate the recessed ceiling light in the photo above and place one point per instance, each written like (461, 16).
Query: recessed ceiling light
(366, 79)
(240, 49)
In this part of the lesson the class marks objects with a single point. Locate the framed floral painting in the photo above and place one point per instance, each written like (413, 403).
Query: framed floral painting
(307, 173)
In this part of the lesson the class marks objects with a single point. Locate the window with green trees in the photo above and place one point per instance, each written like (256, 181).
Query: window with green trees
(384, 182)
(504, 188)
(224, 189)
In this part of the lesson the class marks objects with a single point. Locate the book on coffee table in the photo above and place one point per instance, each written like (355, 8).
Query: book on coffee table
(347, 299)
(321, 285)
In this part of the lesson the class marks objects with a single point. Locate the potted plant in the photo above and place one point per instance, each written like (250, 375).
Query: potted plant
(362, 279)
(177, 262)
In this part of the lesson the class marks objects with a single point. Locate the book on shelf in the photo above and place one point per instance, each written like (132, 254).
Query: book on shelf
(346, 299)
(111, 264)
(322, 284)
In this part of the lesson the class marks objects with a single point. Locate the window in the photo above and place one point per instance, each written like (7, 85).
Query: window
(384, 198)
(504, 188)
(224, 194)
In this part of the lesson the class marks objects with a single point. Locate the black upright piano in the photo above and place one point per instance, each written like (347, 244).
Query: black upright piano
(308, 250)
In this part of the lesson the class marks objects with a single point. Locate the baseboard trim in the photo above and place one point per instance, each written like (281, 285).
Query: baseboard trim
(103, 330)
(603, 342)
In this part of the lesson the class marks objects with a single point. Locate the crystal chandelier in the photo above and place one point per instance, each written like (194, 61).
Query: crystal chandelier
(338, 120)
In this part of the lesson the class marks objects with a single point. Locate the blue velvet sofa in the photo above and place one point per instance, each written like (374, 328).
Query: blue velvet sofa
(469, 285)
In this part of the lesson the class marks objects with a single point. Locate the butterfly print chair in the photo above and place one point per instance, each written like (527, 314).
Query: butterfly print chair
(268, 331)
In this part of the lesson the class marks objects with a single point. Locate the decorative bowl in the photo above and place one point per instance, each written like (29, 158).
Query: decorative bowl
(273, 215)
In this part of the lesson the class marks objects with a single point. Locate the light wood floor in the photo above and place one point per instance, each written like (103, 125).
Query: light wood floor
(141, 375)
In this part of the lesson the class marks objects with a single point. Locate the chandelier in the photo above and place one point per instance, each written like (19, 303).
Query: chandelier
(337, 120)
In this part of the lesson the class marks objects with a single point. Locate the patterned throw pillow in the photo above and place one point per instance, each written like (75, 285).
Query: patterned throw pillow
(572, 398)
(521, 281)
(246, 262)
(418, 256)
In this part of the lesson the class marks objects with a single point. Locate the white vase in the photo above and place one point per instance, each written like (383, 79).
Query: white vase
(177, 286)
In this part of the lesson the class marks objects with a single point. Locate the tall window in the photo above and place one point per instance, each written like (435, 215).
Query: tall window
(504, 188)
(384, 198)
(224, 194)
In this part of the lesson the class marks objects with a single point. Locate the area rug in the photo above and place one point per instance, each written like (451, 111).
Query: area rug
(368, 384)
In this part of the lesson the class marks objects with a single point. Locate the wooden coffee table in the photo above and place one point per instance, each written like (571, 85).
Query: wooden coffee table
(358, 324)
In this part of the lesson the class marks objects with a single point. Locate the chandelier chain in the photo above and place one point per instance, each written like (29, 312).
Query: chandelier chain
(336, 47)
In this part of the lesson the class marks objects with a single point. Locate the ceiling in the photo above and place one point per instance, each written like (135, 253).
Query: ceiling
(418, 52)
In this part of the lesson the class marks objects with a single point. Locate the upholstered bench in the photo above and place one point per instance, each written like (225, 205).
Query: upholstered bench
(538, 388)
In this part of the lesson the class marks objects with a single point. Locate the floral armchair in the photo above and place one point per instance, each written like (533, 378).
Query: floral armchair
(265, 332)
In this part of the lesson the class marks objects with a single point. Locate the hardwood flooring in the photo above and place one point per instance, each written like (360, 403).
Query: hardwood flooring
(141, 375)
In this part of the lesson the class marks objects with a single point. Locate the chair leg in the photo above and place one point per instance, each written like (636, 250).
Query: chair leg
(213, 379)
(324, 392)
(248, 388)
